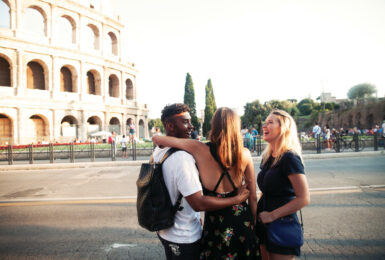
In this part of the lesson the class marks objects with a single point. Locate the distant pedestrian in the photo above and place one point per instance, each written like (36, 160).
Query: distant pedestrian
(123, 142)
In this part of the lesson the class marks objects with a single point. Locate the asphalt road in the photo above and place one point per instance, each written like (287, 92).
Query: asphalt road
(90, 213)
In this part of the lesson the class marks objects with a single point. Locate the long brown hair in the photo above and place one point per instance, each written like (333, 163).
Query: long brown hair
(226, 136)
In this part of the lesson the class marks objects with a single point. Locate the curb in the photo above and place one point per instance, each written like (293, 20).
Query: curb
(256, 159)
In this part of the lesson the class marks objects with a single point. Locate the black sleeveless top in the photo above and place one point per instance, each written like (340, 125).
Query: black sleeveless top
(228, 232)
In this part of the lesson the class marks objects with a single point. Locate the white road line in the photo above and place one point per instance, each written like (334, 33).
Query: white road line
(343, 188)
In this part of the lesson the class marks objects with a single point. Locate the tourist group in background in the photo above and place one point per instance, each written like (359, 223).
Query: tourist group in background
(219, 176)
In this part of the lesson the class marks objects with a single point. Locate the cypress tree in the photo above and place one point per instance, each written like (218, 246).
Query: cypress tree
(189, 99)
(210, 108)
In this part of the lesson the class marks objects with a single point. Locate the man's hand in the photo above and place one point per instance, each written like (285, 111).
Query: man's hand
(243, 194)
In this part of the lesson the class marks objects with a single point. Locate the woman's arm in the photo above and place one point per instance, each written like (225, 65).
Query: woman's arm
(188, 145)
(301, 189)
(251, 184)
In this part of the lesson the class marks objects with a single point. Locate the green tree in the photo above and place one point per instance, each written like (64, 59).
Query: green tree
(306, 106)
(210, 108)
(361, 91)
(155, 123)
(254, 114)
(189, 99)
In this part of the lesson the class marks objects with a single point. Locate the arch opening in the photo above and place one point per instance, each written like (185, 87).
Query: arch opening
(66, 84)
(129, 90)
(5, 73)
(113, 86)
(5, 13)
(35, 76)
(35, 21)
(5, 130)
(114, 125)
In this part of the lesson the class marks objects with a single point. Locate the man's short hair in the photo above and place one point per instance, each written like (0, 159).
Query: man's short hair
(173, 109)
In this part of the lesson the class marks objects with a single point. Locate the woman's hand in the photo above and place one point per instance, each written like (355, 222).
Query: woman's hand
(242, 194)
(155, 138)
(266, 217)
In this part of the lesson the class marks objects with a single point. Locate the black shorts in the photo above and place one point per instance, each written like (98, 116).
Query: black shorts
(124, 149)
(175, 251)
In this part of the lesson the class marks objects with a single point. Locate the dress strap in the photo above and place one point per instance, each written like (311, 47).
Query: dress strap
(224, 170)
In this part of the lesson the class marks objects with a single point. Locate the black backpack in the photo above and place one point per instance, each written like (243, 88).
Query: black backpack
(153, 204)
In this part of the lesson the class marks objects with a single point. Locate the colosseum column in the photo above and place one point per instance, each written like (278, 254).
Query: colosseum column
(82, 82)
(55, 126)
(55, 75)
(136, 125)
(122, 89)
(83, 126)
(21, 78)
(16, 127)
(146, 131)
(104, 86)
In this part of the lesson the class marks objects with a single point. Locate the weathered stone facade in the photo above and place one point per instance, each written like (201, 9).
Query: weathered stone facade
(62, 75)
(364, 114)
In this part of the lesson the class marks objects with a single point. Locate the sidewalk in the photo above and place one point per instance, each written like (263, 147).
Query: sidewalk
(142, 159)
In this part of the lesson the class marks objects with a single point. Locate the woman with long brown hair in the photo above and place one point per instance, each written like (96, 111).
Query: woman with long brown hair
(223, 165)
(282, 181)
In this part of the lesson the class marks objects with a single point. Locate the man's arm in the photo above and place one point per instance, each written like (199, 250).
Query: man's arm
(199, 202)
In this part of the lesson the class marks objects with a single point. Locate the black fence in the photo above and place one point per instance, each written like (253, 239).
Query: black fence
(71, 152)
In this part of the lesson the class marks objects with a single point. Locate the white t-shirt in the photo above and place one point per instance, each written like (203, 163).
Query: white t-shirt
(383, 129)
(316, 130)
(181, 176)
(123, 142)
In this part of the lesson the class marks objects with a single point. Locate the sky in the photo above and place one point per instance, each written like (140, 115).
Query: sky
(252, 49)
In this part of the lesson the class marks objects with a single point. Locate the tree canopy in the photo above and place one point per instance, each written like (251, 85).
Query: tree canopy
(361, 90)
(210, 108)
(189, 99)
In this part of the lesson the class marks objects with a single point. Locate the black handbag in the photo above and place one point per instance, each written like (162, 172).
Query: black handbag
(286, 231)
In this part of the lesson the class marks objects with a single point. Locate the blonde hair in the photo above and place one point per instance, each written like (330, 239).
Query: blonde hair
(287, 140)
(225, 135)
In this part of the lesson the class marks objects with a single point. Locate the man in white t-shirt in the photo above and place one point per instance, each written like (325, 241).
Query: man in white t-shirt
(316, 130)
(181, 241)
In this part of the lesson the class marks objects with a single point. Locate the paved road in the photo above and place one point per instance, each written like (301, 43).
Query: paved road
(90, 213)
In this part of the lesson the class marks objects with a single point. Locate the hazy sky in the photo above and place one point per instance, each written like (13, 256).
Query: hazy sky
(253, 49)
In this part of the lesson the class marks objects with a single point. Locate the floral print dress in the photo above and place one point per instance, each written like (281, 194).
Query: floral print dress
(229, 233)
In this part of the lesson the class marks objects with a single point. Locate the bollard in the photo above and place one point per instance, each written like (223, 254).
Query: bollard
(134, 145)
(113, 151)
(51, 158)
(355, 140)
(375, 140)
(72, 157)
(338, 143)
(30, 153)
(10, 155)
(259, 145)
(318, 144)
(92, 148)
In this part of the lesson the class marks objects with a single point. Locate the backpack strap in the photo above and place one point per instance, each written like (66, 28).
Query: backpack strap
(170, 151)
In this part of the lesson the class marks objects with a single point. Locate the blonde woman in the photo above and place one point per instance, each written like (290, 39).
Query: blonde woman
(223, 165)
(281, 179)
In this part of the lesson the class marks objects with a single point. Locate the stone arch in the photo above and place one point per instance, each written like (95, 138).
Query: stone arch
(93, 82)
(35, 20)
(69, 127)
(370, 121)
(358, 120)
(114, 125)
(5, 13)
(129, 89)
(350, 120)
(94, 124)
(5, 72)
(67, 27)
(141, 128)
(92, 32)
(36, 75)
(68, 77)
(5, 129)
(113, 43)
(113, 86)
(38, 128)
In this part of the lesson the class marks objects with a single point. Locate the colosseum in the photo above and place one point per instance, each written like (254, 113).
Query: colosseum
(62, 76)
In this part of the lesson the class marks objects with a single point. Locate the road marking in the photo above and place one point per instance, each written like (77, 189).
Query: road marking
(132, 199)
(117, 245)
